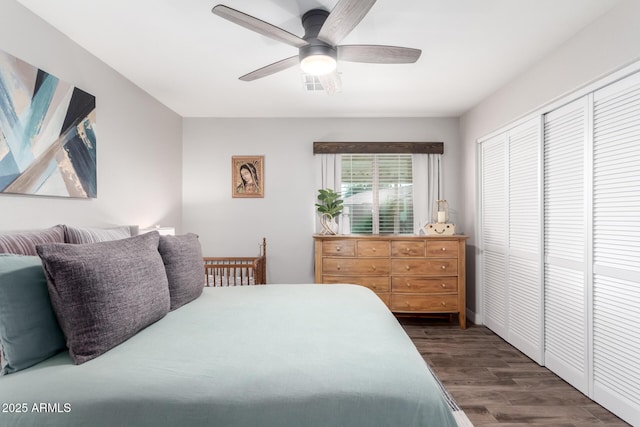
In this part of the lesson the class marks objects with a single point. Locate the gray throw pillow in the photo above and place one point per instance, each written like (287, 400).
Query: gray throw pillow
(182, 257)
(94, 235)
(29, 331)
(104, 293)
(24, 242)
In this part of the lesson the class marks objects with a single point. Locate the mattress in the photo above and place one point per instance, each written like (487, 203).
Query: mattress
(272, 356)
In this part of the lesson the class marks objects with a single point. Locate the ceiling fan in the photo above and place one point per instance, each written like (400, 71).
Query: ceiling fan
(319, 49)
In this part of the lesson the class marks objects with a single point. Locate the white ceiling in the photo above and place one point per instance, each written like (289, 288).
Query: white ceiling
(190, 60)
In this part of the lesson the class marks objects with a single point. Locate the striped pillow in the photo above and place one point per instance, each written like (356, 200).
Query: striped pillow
(94, 235)
(24, 242)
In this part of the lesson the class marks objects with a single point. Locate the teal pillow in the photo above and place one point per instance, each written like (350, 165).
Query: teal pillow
(29, 331)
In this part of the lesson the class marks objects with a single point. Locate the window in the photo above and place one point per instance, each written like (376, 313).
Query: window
(378, 191)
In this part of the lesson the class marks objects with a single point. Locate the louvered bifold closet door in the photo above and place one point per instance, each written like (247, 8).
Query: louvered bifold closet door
(616, 248)
(565, 243)
(493, 259)
(524, 272)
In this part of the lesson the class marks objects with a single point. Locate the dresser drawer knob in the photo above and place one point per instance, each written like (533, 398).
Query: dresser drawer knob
(373, 267)
(444, 267)
(444, 285)
(338, 267)
(443, 249)
(408, 267)
(408, 285)
(337, 248)
(444, 304)
(373, 249)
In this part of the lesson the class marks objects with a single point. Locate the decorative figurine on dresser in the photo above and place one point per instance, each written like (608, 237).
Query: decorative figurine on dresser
(440, 225)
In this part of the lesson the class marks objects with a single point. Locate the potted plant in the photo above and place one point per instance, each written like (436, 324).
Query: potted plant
(329, 207)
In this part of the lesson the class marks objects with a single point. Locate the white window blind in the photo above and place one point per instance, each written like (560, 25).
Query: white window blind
(378, 191)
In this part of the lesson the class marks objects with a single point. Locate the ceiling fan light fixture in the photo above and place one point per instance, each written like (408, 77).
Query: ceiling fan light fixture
(318, 48)
(318, 65)
(318, 58)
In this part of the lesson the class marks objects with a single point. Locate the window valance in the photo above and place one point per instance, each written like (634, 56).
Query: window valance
(378, 148)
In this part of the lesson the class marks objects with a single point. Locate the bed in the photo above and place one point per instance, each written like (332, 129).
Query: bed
(275, 355)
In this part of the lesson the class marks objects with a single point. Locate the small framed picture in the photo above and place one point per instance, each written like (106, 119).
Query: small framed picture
(247, 176)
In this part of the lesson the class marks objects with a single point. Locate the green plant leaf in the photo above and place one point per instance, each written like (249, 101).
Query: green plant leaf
(330, 202)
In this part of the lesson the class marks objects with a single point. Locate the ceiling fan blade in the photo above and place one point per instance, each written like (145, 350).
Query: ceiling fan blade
(271, 69)
(259, 26)
(331, 82)
(378, 54)
(343, 19)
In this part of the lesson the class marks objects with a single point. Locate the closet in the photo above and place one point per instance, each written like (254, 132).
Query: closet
(559, 241)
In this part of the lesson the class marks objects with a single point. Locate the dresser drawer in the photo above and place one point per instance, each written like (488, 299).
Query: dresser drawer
(408, 248)
(410, 284)
(375, 283)
(423, 267)
(339, 248)
(373, 248)
(424, 303)
(355, 266)
(442, 249)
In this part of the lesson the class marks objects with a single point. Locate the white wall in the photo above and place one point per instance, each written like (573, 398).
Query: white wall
(138, 140)
(286, 214)
(606, 45)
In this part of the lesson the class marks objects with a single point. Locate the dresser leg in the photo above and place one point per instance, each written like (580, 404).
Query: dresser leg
(463, 319)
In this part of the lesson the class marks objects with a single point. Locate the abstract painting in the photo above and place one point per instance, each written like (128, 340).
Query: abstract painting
(47, 133)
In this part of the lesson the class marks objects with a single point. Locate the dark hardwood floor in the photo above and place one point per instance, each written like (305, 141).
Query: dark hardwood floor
(495, 384)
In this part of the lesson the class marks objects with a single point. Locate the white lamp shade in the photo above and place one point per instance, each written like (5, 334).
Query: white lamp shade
(164, 231)
(317, 65)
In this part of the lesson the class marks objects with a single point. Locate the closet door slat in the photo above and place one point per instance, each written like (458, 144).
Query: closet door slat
(494, 234)
(525, 288)
(616, 247)
(565, 222)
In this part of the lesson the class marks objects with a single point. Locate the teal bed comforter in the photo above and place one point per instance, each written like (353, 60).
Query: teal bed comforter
(272, 356)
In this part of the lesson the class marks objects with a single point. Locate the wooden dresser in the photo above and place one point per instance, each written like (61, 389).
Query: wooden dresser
(411, 274)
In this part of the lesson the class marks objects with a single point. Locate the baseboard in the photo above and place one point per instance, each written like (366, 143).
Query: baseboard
(473, 318)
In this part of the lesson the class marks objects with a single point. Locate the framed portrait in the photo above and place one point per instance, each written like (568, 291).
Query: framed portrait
(247, 176)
